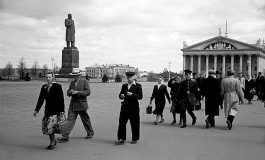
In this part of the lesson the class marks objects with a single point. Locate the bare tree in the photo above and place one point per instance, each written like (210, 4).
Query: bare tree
(8, 70)
(35, 68)
(56, 68)
(21, 68)
(44, 69)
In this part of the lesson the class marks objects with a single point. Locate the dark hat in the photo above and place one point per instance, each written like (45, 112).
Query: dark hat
(194, 73)
(230, 72)
(187, 71)
(130, 74)
(211, 71)
(217, 72)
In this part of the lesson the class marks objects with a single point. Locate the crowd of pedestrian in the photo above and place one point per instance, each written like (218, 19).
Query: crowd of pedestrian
(185, 96)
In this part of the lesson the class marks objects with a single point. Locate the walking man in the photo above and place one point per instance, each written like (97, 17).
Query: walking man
(232, 94)
(211, 91)
(78, 91)
(130, 93)
(186, 94)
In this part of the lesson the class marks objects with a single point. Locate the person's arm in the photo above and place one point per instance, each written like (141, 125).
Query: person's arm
(122, 92)
(167, 95)
(40, 100)
(139, 92)
(61, 98)
(153, 95)
(239, 91)
(70, 91)
(86, 91)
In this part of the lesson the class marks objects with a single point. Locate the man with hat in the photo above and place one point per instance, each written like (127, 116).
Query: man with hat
(78, 91)
(130, 93)
(233, 94)
(186, 95)
(211, 91)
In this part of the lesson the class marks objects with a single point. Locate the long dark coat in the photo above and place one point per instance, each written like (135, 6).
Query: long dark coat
(159, 96)
(70, 30)
(173, 92)
(211, 91)
(249, 85)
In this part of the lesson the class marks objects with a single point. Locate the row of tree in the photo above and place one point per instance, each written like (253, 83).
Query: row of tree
(24, 72)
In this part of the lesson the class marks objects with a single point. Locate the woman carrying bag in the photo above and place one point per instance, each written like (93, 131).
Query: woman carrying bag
(52, 93)
(159, 93)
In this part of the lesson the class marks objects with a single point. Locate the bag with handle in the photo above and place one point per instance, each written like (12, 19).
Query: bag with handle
(149, 109)
(61, 123)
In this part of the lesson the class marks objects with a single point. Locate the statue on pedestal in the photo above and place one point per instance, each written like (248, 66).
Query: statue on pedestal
(70, 31)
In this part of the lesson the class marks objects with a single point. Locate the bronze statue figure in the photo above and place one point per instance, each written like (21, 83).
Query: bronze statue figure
(70, 31)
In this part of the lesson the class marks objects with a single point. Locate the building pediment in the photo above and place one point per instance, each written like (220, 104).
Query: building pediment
(220, 43)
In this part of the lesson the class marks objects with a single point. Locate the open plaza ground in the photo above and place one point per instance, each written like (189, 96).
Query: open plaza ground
(21, 137)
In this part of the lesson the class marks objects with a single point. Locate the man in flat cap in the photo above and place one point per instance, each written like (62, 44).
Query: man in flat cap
(232, 94)
(211, 92)
(186, 94)
(130, 93)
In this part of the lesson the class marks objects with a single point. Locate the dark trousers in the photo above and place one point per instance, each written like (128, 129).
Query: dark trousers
(72, 115)
(134, 118)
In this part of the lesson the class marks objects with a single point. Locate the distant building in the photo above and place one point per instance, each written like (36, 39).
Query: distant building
(222, 53)
(97, 71)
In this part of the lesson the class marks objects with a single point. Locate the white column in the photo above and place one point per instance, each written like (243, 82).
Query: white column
(199, 64)
(207, 65)
(240, 63)
(184, 63)
(191, 63)
(249, 65)
(215, 62)
(258, 63)
(223, 67)
(232, 62)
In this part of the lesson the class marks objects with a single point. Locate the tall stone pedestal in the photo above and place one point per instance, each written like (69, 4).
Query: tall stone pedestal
(70, 59)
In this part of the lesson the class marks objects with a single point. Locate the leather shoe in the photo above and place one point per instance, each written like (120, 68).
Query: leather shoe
(133, 142)
(89, 136)
(62, 139)
(194, 121)
(51, 147)
(119, 142)
(229, 125)
(207, 123)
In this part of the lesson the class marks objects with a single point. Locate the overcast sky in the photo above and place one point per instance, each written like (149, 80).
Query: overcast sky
(147, 34)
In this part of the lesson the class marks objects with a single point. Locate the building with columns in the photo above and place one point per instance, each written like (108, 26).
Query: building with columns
(222, 54)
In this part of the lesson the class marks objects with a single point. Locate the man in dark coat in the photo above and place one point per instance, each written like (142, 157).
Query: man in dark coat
(211, 91)
(130, 93)
(219, 79)
(186, 94)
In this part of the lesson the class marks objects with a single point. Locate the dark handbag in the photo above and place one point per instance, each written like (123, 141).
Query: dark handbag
(149, 109)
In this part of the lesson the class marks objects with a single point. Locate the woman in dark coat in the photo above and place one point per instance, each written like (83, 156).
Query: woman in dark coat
(159, 93)
(249, 89)
(211, 91)
(52, 93)
(174, 84)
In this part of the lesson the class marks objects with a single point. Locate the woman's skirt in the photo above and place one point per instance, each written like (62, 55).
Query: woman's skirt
(50, 124)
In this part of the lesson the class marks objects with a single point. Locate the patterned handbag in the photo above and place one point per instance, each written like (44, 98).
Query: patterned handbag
(61, 121)
(149, 109)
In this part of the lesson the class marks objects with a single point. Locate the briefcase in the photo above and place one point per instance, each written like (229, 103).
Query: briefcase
(149, 109)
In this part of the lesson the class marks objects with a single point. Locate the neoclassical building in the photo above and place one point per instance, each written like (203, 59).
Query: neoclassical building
(222, 54)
